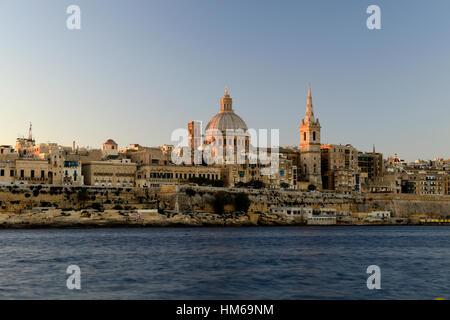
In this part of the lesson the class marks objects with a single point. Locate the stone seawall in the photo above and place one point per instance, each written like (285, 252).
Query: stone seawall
(199, 199)
(193, 206)
(405, 205)
(16, 199)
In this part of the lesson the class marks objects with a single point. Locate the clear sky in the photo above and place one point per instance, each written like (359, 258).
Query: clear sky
(139, 69)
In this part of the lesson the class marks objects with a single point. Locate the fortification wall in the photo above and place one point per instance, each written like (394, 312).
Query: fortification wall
(187, 199)
(16, 199)
(200, 199)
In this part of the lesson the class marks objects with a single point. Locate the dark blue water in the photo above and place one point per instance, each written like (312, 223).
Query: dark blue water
(226, 263)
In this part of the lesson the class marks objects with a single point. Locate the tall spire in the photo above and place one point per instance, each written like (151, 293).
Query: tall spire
(309, 116)
(226, 102)
(30, 134)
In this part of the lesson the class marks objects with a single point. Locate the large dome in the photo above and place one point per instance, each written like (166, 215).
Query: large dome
(226, 118)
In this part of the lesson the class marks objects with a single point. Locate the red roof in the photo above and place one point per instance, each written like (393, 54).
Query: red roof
(110, 141)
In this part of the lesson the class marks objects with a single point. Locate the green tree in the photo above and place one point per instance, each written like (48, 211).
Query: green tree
(241, 202)
(284, 185)
(221, 199)
(82, 196)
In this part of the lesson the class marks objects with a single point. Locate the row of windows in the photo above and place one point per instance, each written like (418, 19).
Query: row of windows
(4, 151)
(109, 183)
(185, 176)
(22, 173)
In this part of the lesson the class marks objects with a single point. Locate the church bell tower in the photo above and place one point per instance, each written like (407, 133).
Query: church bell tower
(310, 158)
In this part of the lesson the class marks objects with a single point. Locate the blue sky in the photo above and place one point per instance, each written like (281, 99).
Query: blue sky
(139, 69)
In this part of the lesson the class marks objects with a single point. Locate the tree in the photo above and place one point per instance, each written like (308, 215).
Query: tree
(190, 192)
(256, 184)
(241, 202)
(284, 185)
(202, 181)
(97, 206)
(82, 196)
(221, 198)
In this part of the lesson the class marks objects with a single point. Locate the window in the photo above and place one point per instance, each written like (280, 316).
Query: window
(314, 136)
(42, 174)
(304, 136)
(2, 172)
(11, 173)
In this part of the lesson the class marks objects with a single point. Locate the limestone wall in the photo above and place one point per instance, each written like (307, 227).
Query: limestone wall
(186, 199)
(16, 199)
(403, 205)
(199, 199)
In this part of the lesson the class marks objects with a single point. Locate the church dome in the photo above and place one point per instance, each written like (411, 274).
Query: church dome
(110, 141)
(226, 118)
(223, 121)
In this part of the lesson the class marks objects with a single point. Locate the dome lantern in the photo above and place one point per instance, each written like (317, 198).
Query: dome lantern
(226, 119)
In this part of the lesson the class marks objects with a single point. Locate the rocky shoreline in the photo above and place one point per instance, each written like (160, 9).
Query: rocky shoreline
(116, 218)
(59, 219)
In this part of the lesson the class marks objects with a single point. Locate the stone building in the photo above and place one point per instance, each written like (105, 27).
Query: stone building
(285, 176)
(292, 154)
(388, 183)
(7, 171)
(340, 171)
(110, 149)
(195, 141)
(7, 152)
(411, 180)
(109, 173)
(25, 146)
(310, 155)
(43, 150)
(66, 168)
(31, 171)
(346, 180)
(372, 164)
(158, 175)
(146, 155)
(447, 185)
(424, 182)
